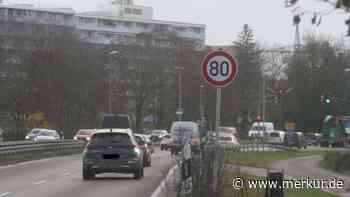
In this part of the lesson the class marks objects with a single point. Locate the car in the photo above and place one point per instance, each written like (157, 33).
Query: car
(47, 135)
(34, 132)
(157, 135)
(312, 139)
(166, 142)
(116, 121)
(113, 151)
(227, 140)
(142, 144)
(183, 132)
(83, 135)
(275, 137)
(295, 139)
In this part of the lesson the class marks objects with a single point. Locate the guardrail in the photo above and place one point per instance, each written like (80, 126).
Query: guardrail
(256, 147)
(16, 152)
(29, 142)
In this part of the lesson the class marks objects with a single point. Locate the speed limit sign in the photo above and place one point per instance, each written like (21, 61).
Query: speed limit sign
(219, 68)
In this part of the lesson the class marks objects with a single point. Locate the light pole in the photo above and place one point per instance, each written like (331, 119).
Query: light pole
(201, 108)
(110, 71)
(180, 110)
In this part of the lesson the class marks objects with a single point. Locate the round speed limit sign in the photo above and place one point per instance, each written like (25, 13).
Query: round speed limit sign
(219, 68)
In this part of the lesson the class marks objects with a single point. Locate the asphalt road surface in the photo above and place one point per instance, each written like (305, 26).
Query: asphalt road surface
(304, 167)
(61, 177)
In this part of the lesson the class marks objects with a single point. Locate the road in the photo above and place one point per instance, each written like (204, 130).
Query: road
(61, 177)
(309, 167)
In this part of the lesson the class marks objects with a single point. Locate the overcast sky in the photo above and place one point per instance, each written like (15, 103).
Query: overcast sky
(270, 20)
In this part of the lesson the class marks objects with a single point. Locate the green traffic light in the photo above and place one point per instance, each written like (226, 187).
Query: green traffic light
(328, 100)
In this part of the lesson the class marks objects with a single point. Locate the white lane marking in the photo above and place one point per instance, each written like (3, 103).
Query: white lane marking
(40, 182)
(5, 194)
(66, 174)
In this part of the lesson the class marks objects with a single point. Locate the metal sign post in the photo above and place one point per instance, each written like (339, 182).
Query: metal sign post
(218, 111)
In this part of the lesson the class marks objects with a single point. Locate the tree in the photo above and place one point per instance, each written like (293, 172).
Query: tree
(316, 70)
(246, 87)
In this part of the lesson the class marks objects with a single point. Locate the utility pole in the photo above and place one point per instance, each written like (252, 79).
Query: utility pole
(179, 112)
(264, 99)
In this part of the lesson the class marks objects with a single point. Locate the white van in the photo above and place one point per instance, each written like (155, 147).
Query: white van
(182, 132)
(260, 129)
(275, 137)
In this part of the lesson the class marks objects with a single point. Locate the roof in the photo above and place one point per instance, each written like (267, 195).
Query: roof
(128, 131)
(31, 7)
(111, 16)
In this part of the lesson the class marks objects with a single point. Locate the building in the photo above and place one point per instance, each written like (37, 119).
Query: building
(118, 22)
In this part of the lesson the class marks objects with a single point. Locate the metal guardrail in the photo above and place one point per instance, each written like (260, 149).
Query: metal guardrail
(256, 148)
(29, 142)
(30, 151)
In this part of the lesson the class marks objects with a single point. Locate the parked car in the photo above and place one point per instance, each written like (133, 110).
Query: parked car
(34, 132)
(166, 142)
(227, 140)
(114, 152)
(84, 135)
(295, 139)
(142, 144)
(157, 135)
(47, 136)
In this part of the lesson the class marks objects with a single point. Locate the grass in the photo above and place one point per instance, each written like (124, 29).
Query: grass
(264, 159)
(337, 161)
(226, 189)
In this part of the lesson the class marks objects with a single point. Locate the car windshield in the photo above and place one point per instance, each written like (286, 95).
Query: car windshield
(46, 133)
(110, 138)
(35, 131)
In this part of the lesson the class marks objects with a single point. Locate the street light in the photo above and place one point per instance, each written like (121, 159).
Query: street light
(110, 71)
(180, 110)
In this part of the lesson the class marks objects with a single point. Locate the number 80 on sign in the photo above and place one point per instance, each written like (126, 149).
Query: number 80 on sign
(219, 68)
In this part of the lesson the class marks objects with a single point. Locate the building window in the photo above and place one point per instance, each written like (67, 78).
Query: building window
(84, 21)
(197, 30)
(106, 23)
(180, 29)
(133, 11)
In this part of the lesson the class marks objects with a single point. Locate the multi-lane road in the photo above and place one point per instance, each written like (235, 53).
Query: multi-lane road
(61, 177)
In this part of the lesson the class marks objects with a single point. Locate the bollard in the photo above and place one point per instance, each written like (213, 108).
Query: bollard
(276, 176)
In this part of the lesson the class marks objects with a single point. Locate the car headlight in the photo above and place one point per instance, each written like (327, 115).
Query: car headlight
(88, 138)
(75, 138)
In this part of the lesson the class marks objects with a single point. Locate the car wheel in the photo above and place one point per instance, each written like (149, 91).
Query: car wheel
(138, 174)
(88, 175)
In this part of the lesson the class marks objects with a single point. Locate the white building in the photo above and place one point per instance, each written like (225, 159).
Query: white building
(118, 22)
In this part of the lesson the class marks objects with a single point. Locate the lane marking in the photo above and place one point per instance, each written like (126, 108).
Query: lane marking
(40, 182)
(5, 194)
(66, 174)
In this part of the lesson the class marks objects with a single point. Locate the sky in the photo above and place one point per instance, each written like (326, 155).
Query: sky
(269, 19)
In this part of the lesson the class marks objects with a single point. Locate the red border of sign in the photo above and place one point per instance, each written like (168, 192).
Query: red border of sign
(229, 80)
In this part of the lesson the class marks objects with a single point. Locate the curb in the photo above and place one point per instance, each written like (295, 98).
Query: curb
(162, 186)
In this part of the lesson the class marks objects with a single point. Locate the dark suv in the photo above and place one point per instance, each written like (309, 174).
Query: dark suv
(115, 151)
